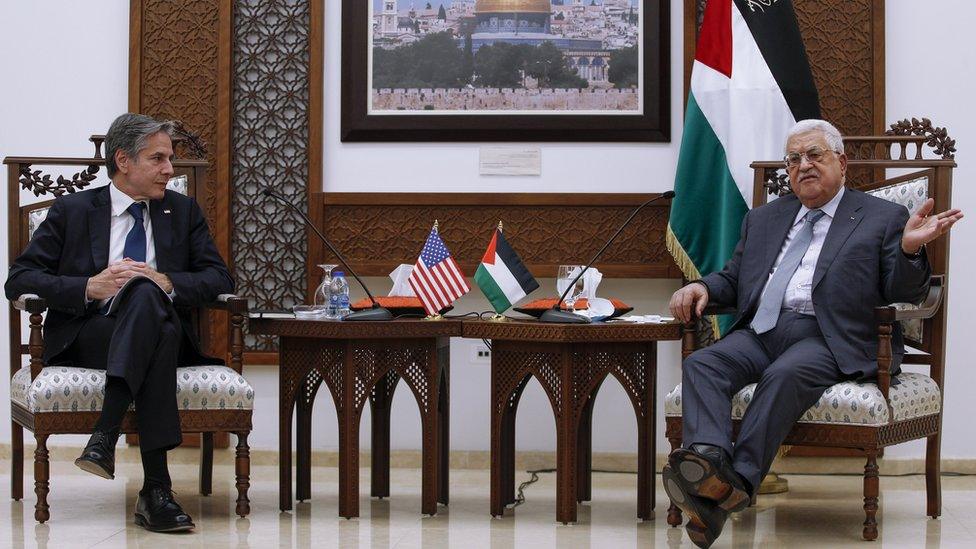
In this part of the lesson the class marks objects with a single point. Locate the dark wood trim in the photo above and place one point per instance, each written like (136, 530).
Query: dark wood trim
(878, 47)
(316, 92)
(135, 55)
(263, 358)
(221, 228)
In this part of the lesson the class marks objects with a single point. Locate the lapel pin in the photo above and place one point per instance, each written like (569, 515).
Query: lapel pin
(852, 217)
(167, 211)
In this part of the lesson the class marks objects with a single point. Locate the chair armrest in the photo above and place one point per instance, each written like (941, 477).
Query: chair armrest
(930, 305)
(31, 303)
(230, 303)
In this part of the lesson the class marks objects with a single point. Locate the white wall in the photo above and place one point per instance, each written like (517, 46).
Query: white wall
(69, 88)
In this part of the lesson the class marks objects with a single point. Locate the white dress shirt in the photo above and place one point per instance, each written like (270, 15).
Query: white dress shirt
(798, 296)
(122, 222)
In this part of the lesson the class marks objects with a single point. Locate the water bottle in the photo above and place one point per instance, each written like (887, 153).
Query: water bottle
(339, 296)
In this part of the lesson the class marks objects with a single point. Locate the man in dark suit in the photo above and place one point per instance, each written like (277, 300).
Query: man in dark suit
(120, 266)
(804, 278)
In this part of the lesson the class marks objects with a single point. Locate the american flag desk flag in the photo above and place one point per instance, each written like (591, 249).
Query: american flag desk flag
(436, 278)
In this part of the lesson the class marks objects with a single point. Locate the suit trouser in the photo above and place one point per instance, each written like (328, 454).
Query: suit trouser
(791, 365)
(140, 343)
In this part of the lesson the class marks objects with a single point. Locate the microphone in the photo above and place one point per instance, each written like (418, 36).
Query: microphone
(374, 313)
(566, 317)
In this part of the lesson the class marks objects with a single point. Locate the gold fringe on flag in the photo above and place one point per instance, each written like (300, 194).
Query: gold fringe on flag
(687, 267)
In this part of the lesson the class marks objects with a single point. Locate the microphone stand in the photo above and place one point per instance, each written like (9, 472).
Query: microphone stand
(376, 312)
(556, 315)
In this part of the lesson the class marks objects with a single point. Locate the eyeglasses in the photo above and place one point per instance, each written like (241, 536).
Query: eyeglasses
(815, 154)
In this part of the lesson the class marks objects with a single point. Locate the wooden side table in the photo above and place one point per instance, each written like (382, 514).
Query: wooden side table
(360, 362)
(570, 362)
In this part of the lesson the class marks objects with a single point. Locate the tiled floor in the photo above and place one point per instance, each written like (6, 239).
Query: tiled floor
(819, 511)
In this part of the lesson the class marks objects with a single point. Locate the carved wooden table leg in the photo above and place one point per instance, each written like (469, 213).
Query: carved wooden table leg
(871, 487)
(503, 407)
(206, 463)
(289, 378)
(584, 484)
(349, 438)
(567, 430)
(429, 415)
(443, 421)
(380, 405)
(242, 470)
(42, 474)
(645, 368)
(17, 461)
(303, 434)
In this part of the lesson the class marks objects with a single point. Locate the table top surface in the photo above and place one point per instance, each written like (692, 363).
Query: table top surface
(533, 330)
(333, 329)
(512, 330)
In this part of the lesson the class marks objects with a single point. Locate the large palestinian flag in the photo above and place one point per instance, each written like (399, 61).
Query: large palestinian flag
(751, 82)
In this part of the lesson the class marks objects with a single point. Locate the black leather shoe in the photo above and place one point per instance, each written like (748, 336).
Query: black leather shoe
(98, 457)
(705, 518)
(157, 511)
(705, 471)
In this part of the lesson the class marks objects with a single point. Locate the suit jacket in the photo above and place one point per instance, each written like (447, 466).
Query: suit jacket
(861, 266)
(72, 244)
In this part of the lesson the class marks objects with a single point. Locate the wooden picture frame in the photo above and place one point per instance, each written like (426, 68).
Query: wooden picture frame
(651, 124)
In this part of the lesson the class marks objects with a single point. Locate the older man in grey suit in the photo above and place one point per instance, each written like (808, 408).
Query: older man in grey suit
(804, 277)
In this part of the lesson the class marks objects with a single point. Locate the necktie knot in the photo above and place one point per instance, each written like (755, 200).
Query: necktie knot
(137, 211)
(814, 215)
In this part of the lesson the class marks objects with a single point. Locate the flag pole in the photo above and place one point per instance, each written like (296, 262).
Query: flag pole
(438, 316)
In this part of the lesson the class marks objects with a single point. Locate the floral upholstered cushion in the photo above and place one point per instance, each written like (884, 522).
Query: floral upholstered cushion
(910, 194)
(848, 403)
(64, 389)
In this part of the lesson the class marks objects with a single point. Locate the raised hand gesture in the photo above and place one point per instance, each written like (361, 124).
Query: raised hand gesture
(923, 228)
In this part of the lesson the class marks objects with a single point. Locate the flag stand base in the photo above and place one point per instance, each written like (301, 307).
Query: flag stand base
(498, 318)
(434, 318)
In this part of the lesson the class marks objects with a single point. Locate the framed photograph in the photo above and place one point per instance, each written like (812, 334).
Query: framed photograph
(505, 70)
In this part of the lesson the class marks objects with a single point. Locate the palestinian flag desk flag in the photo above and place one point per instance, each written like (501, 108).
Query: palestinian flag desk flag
(751, 82)
(502, 276)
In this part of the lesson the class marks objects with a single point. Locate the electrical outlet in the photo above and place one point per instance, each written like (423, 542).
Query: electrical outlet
(480, 353)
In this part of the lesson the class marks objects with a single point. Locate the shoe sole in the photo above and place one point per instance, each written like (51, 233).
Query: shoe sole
(696, 528)
(143, 522)
(700, 478)
(93, 468)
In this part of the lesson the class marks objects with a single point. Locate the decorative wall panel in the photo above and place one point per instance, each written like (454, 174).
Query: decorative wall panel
(177, 71)
(377, 232)
(271, 74)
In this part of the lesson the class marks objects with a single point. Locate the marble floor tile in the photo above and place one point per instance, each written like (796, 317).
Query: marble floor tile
(818, 511)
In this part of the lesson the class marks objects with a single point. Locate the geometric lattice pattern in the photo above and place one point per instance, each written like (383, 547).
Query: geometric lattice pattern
(269, 142)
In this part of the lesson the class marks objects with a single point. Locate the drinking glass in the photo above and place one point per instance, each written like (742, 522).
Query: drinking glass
(564, 277)
(321, 298)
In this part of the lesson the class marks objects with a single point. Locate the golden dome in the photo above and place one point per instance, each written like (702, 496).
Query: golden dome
(513, 6)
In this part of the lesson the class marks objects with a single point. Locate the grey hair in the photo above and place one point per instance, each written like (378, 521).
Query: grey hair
(129, 132)
(834, 139)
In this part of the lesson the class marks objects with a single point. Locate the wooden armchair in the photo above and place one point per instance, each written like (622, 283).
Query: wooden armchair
(65, 400)
(870, 416)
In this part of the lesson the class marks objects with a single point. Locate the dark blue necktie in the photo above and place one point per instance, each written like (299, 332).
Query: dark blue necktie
(135, 241)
